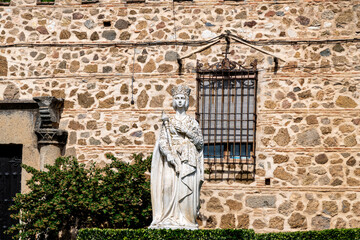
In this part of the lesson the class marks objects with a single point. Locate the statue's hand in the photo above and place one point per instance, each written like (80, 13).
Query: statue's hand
(180, 128)
(172, 161)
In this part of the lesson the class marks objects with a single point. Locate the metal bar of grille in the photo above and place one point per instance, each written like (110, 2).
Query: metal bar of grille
(226, 106)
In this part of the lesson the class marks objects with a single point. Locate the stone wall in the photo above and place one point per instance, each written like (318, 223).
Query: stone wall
(308, 110)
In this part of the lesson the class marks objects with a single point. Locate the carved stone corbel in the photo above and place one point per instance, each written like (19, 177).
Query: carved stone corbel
(51, 140)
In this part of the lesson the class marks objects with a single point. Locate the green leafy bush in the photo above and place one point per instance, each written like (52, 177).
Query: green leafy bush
(180, 234)
(71, 196)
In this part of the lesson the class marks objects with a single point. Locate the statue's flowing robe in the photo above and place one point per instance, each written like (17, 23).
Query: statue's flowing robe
(176, 196)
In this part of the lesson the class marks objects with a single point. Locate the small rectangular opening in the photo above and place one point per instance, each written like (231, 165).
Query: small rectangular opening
(267, 181)
(107, 24)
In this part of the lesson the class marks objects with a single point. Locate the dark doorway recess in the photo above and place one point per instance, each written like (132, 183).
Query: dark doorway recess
(10, 183)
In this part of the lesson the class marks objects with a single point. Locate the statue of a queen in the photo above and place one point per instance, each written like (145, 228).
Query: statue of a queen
(177, 169)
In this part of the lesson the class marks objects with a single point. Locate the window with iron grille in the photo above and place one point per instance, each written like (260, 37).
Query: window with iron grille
(226, 111)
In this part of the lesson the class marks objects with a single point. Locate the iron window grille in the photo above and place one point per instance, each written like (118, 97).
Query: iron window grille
(226, 111)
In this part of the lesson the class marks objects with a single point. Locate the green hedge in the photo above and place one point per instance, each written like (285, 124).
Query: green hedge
(330, 234)
(117, 234)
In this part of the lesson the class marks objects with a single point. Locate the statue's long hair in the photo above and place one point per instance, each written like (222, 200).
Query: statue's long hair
(186, 103)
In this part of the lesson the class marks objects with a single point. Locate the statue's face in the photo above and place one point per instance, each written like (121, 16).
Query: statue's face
(180, 100)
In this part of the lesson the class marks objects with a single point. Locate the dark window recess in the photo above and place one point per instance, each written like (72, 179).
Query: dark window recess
(45, 2)
(4, 2)
(89, 1)
(10, 183)
(135, 1)
(107, 24)
(226, 111)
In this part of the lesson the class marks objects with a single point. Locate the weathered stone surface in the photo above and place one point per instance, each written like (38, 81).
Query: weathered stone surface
(233, 205)
(149, 138)
(157, 101)
(42, 30)
(280, 158)
(345, 17)
(107, 103)
(258, 224)
(345, 102)
(227, 221)
(277, 223)
(280, 173)
(351, 162)
(124, 128)
(122, 141)
(93, 68)
(94, 141)
(325, 130)
(330, 208)
(214, 205)
(243, 221)
(65, 34)
(77, 16)
(164, 68)
(142, 99)
(270, 104)
(74, 66)
(318, 170)
(320, 222)
(109, 34)
(171, 56)
(11, 92)
(94, 36)
(75, 125)
(149, 66)
(297, 220)
(80, 35)
(90, 24)
(312, 206)
(350, 141)
(282, 138)
(321, 159)
(122, 24)
(340, 223)
(303, 161)
(107, 140)
(211, 222)
(305, 94)
(303, 20)
(269, 130)
(309, 138)
(345, 206)
(286, 208)
(354, 223)
(261, 201)
(85, 100)
(311, 120)
(356, 208)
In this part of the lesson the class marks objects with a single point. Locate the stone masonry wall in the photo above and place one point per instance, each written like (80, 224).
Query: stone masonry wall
(308, 111)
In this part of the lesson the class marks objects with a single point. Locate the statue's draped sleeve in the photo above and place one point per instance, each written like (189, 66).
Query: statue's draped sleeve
(195, 136)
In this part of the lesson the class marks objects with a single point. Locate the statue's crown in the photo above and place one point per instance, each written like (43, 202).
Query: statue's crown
(181, 89)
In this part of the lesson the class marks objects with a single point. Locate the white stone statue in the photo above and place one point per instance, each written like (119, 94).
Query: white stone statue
(177, 169)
